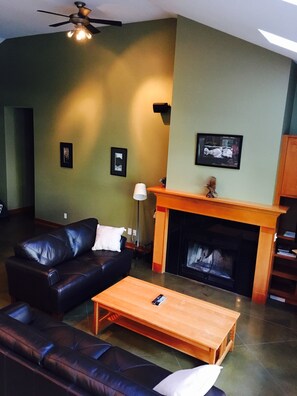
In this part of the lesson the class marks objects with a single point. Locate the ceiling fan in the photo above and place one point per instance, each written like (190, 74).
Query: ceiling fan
(81, 20)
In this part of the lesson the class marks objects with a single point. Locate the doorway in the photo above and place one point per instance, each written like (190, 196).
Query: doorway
(19, 147)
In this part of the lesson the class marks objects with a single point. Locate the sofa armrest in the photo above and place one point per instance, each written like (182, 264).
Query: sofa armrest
(20, 311)
(15, 266)
(31, 282)
(123, 242)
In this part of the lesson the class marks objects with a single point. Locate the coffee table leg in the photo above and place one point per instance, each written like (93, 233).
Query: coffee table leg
(212, 356)
(232, 336)
(96, 318)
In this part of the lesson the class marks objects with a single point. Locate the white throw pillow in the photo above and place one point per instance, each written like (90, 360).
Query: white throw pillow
(108, 238)
(189, 382)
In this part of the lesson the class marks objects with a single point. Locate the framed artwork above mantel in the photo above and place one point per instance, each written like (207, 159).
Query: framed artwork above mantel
(223, 151)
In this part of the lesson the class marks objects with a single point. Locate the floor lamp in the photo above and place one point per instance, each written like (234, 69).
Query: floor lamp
(139, 194)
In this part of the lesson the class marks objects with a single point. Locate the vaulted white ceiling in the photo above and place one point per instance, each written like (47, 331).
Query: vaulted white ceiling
(240, 18)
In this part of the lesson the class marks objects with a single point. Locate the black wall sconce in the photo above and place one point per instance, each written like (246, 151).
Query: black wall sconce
(165, 111)
(161, 107)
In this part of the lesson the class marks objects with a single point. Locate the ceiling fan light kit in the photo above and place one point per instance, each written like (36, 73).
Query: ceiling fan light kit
(83, 29)
(79, 33)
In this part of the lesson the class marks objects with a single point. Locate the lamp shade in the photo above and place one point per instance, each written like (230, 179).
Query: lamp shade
(140, 193)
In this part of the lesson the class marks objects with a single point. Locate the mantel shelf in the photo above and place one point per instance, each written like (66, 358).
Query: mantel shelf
(242, 211)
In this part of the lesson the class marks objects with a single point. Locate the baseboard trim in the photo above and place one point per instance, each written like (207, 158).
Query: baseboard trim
(28, 209)
(47, 223)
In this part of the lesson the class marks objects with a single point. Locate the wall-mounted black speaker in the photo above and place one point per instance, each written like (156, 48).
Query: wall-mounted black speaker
(161, 107)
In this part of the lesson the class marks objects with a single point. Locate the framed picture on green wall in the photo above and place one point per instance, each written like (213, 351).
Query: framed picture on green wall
(118, 161)
(66, 155)
(223, 151)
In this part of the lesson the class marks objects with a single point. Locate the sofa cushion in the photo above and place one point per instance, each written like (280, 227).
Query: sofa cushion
(79, 280)
(133, 367)
(47, 249)
(90, 374)
(63, 335)
(108, 238)
(81, 235)
(23, 339)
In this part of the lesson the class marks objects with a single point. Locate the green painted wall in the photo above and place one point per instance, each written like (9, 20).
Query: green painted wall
(97, 96)
(100, 95)
(226, 85)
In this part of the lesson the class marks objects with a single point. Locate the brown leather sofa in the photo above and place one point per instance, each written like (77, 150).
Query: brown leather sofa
(59, 270)
(42, 356)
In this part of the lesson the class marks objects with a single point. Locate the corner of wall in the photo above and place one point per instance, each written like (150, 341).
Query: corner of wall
(290, 116)
(3, 178)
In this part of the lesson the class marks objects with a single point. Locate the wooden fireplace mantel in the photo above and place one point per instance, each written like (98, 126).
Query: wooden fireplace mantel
(264, 216)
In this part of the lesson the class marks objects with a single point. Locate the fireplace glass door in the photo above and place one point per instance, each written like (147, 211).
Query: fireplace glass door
(213, 251)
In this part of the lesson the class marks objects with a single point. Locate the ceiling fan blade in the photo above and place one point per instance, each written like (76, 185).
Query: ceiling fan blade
(59, 24)
(53, 13)
(106, 22)
(92, 29)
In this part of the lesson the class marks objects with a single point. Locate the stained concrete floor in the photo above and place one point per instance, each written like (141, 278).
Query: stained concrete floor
(264, 360)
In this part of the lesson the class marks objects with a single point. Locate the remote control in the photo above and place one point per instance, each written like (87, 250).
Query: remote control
(158, 300)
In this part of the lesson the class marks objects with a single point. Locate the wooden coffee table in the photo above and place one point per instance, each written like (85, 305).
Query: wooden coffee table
(195, 327)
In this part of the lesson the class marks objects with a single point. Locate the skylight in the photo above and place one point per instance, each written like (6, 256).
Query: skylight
(291, 1)
(280, 41)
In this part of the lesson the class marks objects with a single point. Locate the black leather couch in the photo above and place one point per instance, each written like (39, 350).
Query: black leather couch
(42, 356)
(59, 270)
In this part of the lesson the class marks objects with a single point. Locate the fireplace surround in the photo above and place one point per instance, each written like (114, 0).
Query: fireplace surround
(263, 216)
(215, 251)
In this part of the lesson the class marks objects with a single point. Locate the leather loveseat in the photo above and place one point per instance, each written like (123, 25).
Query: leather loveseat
(59, 270)
(42, 356)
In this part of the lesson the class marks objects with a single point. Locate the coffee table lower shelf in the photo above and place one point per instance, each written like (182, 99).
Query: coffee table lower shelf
(196, 350)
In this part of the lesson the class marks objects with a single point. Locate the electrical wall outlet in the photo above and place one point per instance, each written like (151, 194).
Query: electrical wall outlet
(134, 233)
(65, 215)
(129, 231)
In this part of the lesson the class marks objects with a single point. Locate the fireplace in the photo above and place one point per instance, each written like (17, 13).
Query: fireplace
(218, 252)
(263, 216)
(210, 263)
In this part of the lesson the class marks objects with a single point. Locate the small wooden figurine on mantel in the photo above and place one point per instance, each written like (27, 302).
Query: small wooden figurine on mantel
(211, 186)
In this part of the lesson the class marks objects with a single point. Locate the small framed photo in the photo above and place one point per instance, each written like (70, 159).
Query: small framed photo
(118, 161)
(223, 151)
(66, 155)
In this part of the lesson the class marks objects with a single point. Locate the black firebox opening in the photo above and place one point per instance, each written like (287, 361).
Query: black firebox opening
(214, 251)
(210, 263)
